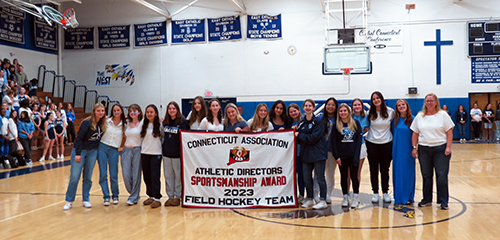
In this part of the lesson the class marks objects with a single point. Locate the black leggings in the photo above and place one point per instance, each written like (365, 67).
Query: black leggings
(71, 132)
(379, 158)
(476, 126)
(346, 167)
(26, 142)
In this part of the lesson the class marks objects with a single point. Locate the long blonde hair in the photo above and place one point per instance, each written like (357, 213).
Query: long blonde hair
(95, 121)
(438, 106)
(256, 119)
(238, 115)
(351, 124)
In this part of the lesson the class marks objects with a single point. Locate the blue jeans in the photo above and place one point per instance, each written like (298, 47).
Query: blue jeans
(461, 130)
(108, 156)
(433, 159)
(131, 171)
(319, 171)
(87, 164)
(498, 129)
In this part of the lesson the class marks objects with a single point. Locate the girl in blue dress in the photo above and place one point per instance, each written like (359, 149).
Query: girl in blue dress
(403, 174)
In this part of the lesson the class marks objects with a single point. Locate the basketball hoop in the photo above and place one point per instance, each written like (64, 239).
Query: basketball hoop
(346, 73)
(69, 18)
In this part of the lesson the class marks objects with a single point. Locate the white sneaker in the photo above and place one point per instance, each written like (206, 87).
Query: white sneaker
(328, 200)
(375, 198)
(68, 206)
(355, 201)
(387, 198)
(320, 205)
(345, 202)
(86, 204)
(308, 203)
(42, 159)
(316, 199)
(106, 202)
(51, 158)
(115, 201)
(130, 203)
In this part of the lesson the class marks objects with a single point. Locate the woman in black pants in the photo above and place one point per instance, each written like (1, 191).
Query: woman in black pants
(70, 117)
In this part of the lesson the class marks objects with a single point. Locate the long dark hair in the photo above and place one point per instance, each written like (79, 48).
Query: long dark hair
(26, 118)
(325, 114)
(156, 123)
(16, 119)
(195, 115)
(134, 107)
(210, 116)
(284, 116)
(372, 114)
(167, 120)
(122, 116)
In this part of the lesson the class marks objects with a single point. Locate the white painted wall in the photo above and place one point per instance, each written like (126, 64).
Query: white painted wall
(242, 69)
(30, 59)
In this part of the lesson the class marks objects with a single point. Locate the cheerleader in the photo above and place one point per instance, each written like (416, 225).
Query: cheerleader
(50, 136)
(60, 127)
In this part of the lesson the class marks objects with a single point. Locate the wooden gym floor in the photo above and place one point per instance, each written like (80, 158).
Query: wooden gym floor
(31, 208)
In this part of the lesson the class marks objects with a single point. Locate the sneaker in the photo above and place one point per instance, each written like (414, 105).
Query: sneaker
(130, 203)
(155, 204)
(68, 206)
(86, 204)
(51, 158)
(168, 203)
(409, 202)
(345, 202)
(328, 200)
(387, 198)
(355, 200)
(106, 202)
(424, 204)
(148, 201)
(42, 159)
(375, 198)
(300, 199)
(176, 202)
(308, 203)
(115, 201)
(316, 199)
(320, 205)
(444, 206)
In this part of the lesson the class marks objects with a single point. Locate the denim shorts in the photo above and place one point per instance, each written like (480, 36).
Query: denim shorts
(488, 125)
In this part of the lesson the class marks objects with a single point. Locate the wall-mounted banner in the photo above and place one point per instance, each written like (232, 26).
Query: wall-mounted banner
(188, 31)
(383, 39)
(264, 27)
(114, 36)
(245, 170)
(12, 24)
(45, 35)
(150, 34)
(79, 38)
(224, 28)
(485, 70)
(115, 75)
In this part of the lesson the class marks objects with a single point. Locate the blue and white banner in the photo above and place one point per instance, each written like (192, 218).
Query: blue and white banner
(188, 31)
(224, 29)
(238, 170)
(150, 34)
(264, 27)
(79, 38)
(115, 75)
(485, 69)
(114, 37)
(12, 24)
(45, 35)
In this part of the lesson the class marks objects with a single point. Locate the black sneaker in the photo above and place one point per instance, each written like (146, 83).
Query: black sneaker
(424, 204)
(410, 202)
(444, 206)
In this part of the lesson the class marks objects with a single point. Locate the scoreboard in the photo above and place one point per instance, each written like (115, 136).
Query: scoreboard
(484, 38)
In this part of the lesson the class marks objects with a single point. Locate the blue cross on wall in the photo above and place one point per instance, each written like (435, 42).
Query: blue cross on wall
(438, 44)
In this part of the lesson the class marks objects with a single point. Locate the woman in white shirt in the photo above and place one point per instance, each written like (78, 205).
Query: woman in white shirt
(475, 115)
(433, 131)
(213, 121)
(379, 144)
(198, 112)
(108, 153)
(262, 119)
(131, 155)
(13, 134)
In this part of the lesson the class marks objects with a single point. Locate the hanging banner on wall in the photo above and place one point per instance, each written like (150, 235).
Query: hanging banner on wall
(238, 170)
(485, 70)
(264, 27)
(79, 38)
(383, 39)
(150, 34)
(115, 75)
(12, 24)
(114, 37)
(188, 31)
(224, 29)
(45, 35)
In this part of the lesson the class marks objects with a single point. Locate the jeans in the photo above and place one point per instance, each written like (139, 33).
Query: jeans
(379, 158)
(131, 171)
(433, 158)
(108, 156)
(87, 165)
(173, 181)
(461, 130)
(319, 171)
(330, 166)
(151, 165)
(498, 129)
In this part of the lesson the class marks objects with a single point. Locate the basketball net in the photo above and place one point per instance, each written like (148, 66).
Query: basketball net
(346, 73)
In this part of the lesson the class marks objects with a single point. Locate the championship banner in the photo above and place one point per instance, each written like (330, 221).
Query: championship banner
(238, 170)
(12, 24)
(224, 29)
(79, 38)
(188, 31)
(150, 34)
(264, 27)
(114, 37)
(45, 35)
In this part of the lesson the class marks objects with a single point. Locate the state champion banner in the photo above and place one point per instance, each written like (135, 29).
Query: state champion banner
(238, 170)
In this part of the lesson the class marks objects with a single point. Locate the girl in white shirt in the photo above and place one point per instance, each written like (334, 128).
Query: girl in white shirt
(108, 153)
(131, 155)
(213, 121)
(198, 112)
(379, 144)
(151, 155)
